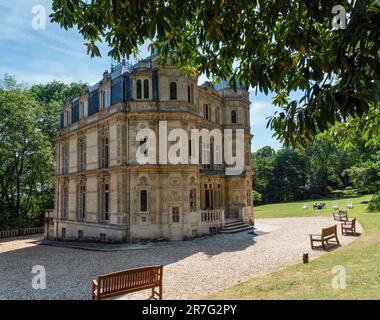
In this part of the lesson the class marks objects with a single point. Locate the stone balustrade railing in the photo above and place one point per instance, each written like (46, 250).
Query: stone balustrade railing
(213, 216)
(20, 232)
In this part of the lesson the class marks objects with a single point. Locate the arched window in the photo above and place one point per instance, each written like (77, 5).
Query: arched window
(139, 89)
(233, 116)
(173, 91)
(146, 89)
(188, 94)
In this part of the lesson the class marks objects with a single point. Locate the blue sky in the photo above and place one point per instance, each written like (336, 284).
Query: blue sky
(40, 56)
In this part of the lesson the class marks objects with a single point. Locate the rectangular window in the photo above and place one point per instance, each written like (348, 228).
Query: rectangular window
(82, 202)
(207, 197)
(175, 215)
(218, 156)
(82, 157)
(143, 201)
(106, 98)
(65, 160)
(105, 202)
(206, 156)
(104, 153)
(173, 91)
(65, 203)
(206, 112)
(139, 89)
(67, 117)
(146, 89)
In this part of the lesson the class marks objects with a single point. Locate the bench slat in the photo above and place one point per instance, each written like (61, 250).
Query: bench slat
(129, 281)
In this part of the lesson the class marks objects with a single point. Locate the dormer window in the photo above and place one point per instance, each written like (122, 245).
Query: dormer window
(173, 91)
(67, 117)
(85, 108)
(106, 101)
(83, 112)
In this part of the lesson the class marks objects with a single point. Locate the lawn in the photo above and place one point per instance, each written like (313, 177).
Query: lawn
(361, 260)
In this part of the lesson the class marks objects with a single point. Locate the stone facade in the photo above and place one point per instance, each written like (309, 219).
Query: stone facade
(104, 194)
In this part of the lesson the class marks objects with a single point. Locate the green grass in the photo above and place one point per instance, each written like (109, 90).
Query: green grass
(360, 258)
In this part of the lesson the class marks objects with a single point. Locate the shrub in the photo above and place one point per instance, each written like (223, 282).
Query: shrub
(374, 203)
(257, 197)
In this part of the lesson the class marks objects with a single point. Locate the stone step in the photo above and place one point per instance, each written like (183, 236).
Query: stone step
(230, 227)
(242, 227)
(235, 226)
(233, 223)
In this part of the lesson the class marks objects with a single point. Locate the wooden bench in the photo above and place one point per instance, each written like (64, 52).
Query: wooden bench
(340, 215)
(128, 281)
(327, 234)
(349, 227)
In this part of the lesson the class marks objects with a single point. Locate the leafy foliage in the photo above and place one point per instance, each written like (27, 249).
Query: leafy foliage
(374, 203)
(28, 120)
(280, 46)
(321, 169)
(257, 197)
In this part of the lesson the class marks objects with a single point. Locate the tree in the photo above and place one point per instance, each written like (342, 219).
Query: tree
(52, 97)
(313, 172)
(361, 138)
(289, 176)
(263, 171)
(280, 46)
(26, 160)
(29, 118)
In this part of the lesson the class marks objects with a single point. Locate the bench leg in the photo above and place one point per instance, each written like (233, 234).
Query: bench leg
(95, 289)
(156, 295)
(311, 243)
(152, 295)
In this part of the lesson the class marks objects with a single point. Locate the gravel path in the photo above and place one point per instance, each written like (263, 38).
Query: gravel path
(192, 269)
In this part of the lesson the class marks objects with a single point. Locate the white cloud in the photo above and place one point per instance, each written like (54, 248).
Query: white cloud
(260, 110)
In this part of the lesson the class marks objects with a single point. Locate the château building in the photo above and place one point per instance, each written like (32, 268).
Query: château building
(102, 193)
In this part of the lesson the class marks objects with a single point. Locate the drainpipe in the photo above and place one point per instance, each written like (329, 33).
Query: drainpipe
(129, 186)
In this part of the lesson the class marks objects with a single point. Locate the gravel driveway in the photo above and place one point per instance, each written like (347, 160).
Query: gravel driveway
(192, 269)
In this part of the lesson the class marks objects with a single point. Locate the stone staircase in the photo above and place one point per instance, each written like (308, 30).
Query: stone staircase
(233, 226)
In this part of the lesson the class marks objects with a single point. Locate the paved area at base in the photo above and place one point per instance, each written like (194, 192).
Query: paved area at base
(192, 269)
